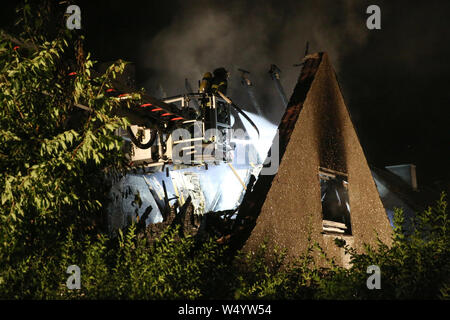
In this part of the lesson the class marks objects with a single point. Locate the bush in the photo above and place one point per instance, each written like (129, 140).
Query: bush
(415, 266)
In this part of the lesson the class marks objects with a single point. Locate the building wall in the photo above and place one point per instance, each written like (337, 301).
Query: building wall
(323, 136)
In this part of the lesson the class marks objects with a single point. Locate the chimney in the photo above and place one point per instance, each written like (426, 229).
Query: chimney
(407, 172)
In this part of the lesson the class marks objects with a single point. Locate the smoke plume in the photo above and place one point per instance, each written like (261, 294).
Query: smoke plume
(251, 35)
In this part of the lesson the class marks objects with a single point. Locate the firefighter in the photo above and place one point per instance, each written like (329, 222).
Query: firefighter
(215, 84)
(220, 81)
(205, 85)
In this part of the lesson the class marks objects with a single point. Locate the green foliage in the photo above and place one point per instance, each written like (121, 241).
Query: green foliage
(415, 266)
(123, 268)
(52, 165)
(129, 267)
(41, 157)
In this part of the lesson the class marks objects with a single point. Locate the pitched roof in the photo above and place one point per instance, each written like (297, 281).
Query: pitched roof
(315, 131)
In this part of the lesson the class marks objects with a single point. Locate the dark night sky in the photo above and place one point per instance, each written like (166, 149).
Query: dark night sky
(395, 80)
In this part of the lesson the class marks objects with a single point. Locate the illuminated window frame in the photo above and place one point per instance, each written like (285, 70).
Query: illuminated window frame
(336, 214)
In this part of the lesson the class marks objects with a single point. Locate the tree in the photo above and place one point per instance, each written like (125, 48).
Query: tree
(53, 159)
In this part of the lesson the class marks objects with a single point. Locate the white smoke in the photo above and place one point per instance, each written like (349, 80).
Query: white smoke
(251, 35)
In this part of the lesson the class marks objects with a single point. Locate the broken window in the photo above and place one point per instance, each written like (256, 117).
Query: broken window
(335, 202)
